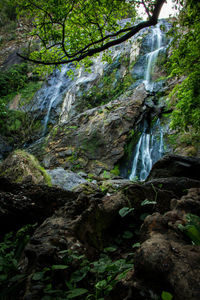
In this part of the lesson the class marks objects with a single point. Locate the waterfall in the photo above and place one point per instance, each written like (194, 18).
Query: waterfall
(151, 57)
(53, 92)
(150, 146)
(148, 150)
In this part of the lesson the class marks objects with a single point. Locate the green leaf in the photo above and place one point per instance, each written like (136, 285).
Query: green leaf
(127, 235)
(166, 296)
(76, 293)
(63, 251)
(101, 284)
(147, 202)
(59, 267)
(193, 233)
(123, 274)
(136, 245)
(125, 211)
(79, 274)
(110, 249)
(38, 276)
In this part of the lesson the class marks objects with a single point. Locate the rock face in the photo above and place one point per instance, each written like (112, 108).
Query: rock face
(94, 140)
(23, 167)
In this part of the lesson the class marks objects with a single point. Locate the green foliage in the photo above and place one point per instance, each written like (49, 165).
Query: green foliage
(115, 171)
(75, 26)
(18, 125)
(125, 211)
(185, 61)
(106, 174)
(10, 252)
(147, 202)
(136, 245)
(192, 228)
(187, 111)
(7, 11)
(13, 79)
(166, 296)
(101, 275)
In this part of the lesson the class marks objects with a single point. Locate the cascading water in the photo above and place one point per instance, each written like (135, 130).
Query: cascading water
(151, 57)
(148, 150)
(53, 92)
(150, 146)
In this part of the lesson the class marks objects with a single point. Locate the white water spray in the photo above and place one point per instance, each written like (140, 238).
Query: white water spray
(156, 48)
(56, 92)
(149, 149)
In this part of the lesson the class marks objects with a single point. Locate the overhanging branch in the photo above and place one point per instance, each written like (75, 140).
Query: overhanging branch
(87, 52)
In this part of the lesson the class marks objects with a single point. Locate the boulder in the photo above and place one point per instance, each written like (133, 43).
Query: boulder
(176, 166)
(168, 254)
(21, 166)
(67, 180)
(22, 204)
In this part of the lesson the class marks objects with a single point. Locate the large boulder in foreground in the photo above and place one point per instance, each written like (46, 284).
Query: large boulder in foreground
(170, 251)
(21, 166)
(22, 204)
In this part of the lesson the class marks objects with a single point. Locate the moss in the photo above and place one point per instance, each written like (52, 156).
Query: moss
(185, 143)
(47, 177)
(91, 145)
(21, 164)
(115, 171)
(54, 132)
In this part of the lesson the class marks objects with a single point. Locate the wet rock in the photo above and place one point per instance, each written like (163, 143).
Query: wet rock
(95, 138)
(67, 180)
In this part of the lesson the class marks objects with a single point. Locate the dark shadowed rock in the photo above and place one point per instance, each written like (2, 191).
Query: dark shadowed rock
(168, 254)
(25, 204)
(5, 148)
(176, 166)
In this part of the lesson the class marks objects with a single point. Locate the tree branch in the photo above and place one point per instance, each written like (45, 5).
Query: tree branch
(87, 51)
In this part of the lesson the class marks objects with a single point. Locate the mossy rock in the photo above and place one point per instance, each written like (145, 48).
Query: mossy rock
(21, 166)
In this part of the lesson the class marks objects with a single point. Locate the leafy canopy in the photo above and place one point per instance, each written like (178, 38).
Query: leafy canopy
(185, 62)
(73, 30)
